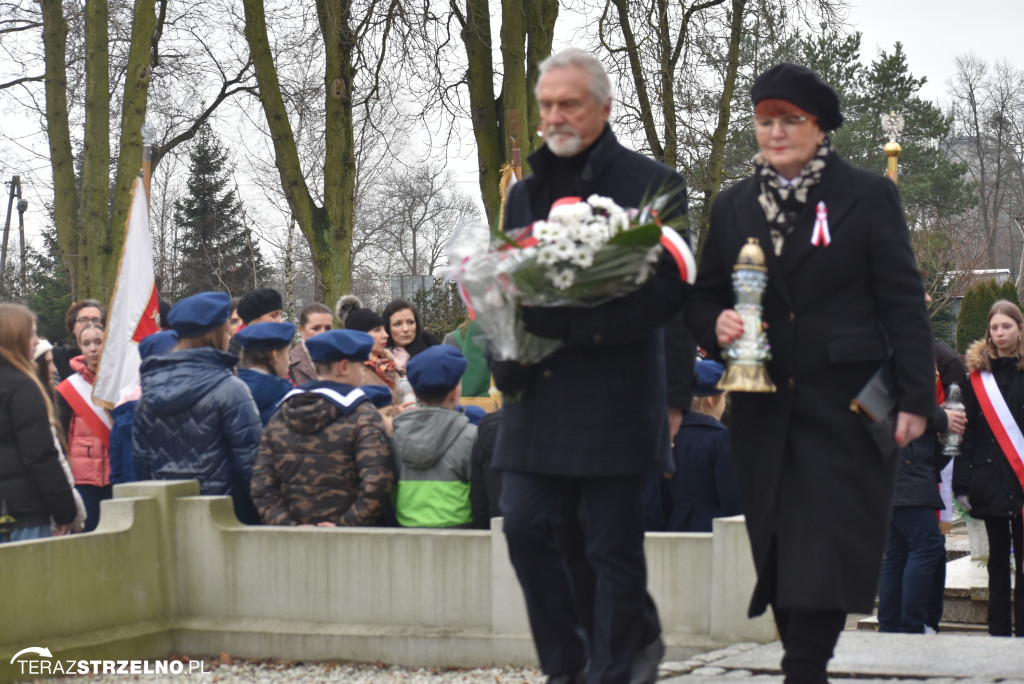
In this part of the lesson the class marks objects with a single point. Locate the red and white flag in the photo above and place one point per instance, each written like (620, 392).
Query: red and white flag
(134, 308)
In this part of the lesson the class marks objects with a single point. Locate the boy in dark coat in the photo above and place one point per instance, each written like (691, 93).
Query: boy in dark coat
(324, 458)
(703, 486)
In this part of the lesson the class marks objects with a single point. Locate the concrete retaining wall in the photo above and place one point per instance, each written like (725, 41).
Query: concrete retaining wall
(169, 572)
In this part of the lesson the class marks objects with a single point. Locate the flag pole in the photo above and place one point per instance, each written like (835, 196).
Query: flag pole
(148, 135)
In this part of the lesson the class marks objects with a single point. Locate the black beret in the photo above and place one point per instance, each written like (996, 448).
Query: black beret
(363, 319)
(801, 86)
(258, 302)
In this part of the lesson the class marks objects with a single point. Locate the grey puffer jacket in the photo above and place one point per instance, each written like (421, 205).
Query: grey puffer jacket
(196, 420)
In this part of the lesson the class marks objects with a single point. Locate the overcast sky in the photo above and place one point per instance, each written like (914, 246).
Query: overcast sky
(933, 32)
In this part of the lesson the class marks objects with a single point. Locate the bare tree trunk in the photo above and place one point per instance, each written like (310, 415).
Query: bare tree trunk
(719, 138)
(289, 270)
(95, 216)
(65, 191)
(527, 30)
(329, 228)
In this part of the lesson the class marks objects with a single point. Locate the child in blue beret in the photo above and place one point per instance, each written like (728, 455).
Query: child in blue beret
(264, 363)
(433, 444)
(324, 459)
(196, 420)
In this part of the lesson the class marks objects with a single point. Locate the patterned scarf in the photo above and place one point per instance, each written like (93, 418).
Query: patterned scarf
(781, 203)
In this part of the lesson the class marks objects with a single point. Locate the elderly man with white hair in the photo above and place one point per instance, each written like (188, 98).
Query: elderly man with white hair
(590, 421)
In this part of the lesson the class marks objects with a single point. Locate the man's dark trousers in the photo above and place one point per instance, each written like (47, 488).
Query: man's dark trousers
(612, 513)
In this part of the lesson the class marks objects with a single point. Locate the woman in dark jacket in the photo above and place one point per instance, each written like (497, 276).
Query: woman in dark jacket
(988, 476)
(406, 335)
(843, 292)
(195, 419)
(33, 486)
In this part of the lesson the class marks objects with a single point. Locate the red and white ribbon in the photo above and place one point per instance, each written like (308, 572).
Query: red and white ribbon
(1000, 420)
(77, 391)
(821, 237)
(680, 253)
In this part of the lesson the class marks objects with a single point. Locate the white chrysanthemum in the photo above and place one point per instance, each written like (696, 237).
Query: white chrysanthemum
(562, 279)
(643, 276)
(546, 232)
(547, 256)
(618, 221)
(653, 254)
(606, 204)
(564, 248)
(582, 258)
(593, 234)
(567, 214)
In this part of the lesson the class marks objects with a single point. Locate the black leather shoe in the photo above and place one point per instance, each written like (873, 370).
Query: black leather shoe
(646, 661)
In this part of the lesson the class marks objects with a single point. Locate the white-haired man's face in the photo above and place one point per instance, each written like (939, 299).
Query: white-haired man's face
(570, 119)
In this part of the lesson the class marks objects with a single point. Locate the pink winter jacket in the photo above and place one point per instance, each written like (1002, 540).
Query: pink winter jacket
(88, 456)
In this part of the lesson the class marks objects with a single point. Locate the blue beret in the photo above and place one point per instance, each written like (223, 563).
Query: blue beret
(436, 370)
(380, 395)
(199, 314)
(157, 343)
(707, 374)
(266, 336)
(337, 345)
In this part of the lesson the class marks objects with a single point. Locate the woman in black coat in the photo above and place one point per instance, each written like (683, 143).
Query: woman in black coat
(33, 485)
(406, 335)
(988, 475)
(843, 293)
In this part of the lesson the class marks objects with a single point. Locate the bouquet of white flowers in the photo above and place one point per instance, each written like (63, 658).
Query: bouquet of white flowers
(585, 254)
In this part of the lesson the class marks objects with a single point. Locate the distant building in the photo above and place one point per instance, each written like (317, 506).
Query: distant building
(405, 286)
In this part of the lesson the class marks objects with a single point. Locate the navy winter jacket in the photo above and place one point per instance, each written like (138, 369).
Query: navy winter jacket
(196, 420)
(267, 391)
(704, 485)
(122, 462)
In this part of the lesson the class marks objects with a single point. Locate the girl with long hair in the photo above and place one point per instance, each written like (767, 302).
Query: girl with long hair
(988, 476)
(87, 425)
(33, 487)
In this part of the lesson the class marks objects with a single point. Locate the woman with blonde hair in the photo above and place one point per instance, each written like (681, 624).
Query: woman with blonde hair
(988, 476)
(33, 487)
(195, 419)
(86, 424)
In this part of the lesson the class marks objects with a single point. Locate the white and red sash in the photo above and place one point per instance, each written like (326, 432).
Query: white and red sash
(1000, 420)
(78, 393)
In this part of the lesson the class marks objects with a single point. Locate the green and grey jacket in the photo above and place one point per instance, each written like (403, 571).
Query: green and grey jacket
(432, 449)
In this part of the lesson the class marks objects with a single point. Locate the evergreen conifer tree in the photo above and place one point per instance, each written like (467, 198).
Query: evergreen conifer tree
(977, 301)
(49, 289)
(973, 316)
(217, 251)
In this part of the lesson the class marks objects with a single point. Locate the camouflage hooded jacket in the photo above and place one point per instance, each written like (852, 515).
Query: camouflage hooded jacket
(316, 464)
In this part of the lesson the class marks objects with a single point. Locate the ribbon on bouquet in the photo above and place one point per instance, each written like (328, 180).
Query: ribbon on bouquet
(821, 236)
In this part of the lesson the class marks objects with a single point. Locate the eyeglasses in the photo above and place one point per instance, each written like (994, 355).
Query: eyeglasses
(88, 319)
(789, 123)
